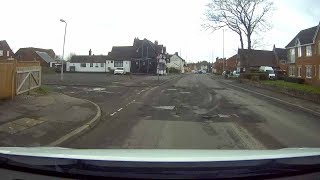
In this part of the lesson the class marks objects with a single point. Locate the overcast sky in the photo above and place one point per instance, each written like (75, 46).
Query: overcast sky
(101, 24)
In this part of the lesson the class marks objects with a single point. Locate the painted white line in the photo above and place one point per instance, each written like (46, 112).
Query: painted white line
(113, 114)
(120, 109)
(276, 99)
(128, 104)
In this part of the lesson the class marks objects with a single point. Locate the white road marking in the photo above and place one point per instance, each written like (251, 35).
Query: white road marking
(113, 114)
(235, 115)
(120, 109)
(164, 107)
(223, 116)
(273, 98)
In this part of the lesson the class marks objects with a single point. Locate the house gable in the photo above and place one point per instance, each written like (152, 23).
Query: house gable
(5, 49)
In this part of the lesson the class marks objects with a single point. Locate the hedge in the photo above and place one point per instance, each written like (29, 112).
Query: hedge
(294, 80)
(254, 76)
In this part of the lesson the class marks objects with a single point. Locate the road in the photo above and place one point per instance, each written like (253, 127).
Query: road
(195, 111)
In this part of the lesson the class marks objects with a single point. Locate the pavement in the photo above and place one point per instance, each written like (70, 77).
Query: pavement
(195, 111)
(38, 120)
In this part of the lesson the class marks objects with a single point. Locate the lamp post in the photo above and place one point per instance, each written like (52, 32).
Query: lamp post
(64, 41)
(222, 50)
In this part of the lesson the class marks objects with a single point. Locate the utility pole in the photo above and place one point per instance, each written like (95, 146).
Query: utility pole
(222, 50)
(64, 42)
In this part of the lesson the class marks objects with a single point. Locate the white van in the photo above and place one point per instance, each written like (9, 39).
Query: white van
(269, 70)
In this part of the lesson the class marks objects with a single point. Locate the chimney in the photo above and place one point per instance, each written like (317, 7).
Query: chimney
(90, 52)
(156, 42)
(176, 53)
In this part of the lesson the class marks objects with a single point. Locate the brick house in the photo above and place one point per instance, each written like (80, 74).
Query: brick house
(5, 50)
(281, 58)
(231, 63)
(304, 55)
(251, 59)
(45, 56)
(218, 65)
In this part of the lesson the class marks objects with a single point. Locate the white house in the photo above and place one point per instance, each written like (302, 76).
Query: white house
(113, 64)
(176, 62)
(88, 63)
(96, 63)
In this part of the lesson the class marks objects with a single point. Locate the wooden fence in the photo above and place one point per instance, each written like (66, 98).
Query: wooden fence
(17, 77)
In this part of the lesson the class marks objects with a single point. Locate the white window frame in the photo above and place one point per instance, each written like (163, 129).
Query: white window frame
(101, 64)
(309, 67)
(299, 71)
(97, 65)
(319, 72)
(8, 53)
(308, 51)
(292, 55)
(291, 71)
(91, 64)
(299, 51)
(1, 52)
(83, 65)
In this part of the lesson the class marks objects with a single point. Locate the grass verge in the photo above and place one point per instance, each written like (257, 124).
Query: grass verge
(42, 90)
(293, 86)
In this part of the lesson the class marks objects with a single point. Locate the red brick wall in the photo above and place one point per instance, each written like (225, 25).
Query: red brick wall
(313, 60)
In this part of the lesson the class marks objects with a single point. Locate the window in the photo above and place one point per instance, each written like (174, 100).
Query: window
(118, 63)
(292, 55)
(299, 51)
(308, 51)
(91, 64)
(1, 52)
(101, 64)
(97, 65)
(8, 53)
(308, 71)
(291, 70)
(319, 47)
(111, 61)
(83, 65)
(299, 71)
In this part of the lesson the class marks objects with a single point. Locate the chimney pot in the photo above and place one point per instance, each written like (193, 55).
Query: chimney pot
(90, 52)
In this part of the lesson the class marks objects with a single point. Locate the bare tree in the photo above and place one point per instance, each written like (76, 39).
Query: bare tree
(241, 16)
(70, 56)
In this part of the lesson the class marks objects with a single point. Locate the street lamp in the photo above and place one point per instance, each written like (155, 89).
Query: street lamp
(222, 50)
(64, 41)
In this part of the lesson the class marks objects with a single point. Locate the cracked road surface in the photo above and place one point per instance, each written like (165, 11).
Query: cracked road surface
(197, 111)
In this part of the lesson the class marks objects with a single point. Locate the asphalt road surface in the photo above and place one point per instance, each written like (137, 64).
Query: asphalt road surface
(196, 111)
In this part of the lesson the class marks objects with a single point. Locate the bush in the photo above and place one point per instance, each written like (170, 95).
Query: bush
(173, 70)
(254, 76)
(294, 80)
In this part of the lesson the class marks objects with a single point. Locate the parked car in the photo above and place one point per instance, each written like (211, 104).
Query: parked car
(235, 74)
(268, 70)
(119, 71)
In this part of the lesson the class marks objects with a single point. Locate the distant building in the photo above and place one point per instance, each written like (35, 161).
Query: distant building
(44, 56)
(5, 50)
(144, 55)
(249, 59)
(177, 62)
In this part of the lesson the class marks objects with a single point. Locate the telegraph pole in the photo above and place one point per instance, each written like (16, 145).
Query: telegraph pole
(222, 50)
